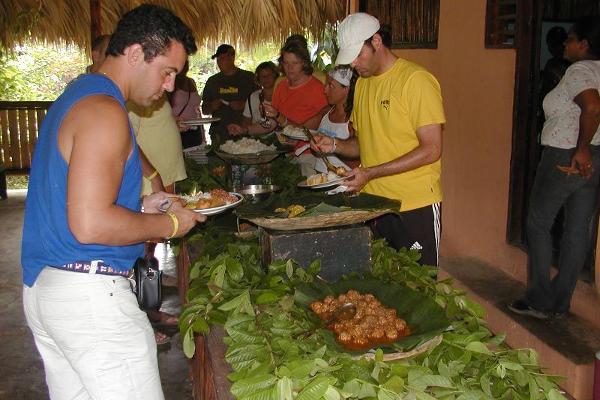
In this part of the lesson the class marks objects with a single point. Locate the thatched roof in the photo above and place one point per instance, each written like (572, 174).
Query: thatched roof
(236, 21)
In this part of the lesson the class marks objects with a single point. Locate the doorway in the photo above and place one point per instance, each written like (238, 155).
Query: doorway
(534, 19)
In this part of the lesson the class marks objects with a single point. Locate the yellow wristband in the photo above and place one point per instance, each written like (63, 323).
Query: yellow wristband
(152, 175)
(175, 224)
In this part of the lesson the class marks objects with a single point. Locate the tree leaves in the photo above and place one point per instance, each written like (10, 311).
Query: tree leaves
(273, 359)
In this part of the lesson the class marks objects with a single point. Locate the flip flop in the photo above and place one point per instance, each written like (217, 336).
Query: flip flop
(161, 338)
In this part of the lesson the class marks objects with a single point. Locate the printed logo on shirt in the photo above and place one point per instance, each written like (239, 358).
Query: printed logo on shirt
(385, 104)
(228, 90)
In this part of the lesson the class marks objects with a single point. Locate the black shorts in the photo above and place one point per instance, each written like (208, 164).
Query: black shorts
(418, 229)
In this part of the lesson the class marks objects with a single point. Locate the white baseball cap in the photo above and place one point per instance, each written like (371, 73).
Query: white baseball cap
(352, 33)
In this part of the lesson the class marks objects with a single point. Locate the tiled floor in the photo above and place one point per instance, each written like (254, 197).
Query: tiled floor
(21, 370)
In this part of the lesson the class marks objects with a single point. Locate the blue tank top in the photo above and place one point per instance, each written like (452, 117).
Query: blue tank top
(47, 239)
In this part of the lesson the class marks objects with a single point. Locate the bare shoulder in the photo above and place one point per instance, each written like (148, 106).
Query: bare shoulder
(96, 122)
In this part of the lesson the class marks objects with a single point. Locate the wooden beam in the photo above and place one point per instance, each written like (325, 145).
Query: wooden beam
(96, 19)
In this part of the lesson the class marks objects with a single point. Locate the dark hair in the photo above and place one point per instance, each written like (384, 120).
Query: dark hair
(350, 99)
(269, 65)
(98, 40)
(153, 27)
(385, 31)
(296, 38)
(588, 28)
(301, 52)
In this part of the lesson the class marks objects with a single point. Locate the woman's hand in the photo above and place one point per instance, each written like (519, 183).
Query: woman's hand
(269, 110)
(236, 130)
(181, 126)
(582, 161)
(322, 144)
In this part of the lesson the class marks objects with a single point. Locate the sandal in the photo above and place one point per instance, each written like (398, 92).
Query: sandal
(161, 338)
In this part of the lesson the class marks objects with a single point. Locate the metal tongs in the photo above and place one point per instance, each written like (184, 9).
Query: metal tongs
(311, 138)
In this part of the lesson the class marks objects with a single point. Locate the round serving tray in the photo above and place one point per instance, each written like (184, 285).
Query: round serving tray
(318, 221)
(249, 159)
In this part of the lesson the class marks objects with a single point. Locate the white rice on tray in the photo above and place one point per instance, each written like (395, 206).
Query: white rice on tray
(245, 146)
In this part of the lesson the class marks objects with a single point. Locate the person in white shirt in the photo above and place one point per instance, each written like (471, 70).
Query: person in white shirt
(567, 176)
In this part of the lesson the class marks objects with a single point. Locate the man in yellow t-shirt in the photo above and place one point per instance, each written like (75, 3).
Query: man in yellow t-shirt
(398, 117)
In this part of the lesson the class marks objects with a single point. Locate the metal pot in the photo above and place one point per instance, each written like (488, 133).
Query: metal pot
(256, 193)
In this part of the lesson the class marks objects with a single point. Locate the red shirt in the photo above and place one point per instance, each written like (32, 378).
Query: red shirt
(299, 103)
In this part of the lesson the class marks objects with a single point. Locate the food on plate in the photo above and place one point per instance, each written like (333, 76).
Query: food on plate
(341, 171)
(372, 324)
(246, 146)
(292, 210)
(294, 131)
(318, 179)
(214, 198)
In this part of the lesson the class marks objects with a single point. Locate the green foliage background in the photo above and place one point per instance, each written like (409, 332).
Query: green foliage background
(37, 71)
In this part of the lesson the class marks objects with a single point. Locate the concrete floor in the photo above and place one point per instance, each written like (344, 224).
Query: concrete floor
(21, 369)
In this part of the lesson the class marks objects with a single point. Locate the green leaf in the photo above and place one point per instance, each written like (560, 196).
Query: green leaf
(234, 269)
(289, 269)
(478, 347)
(424, 381)
(332, 394)
(283, 389)
(268, 297)
(200, 326)
(255, 384)
(233, 303)
(189, 347)
(486, 385)
(554, 394)
(395, 384)
(511, 365)
(471, 395)
(316, 389)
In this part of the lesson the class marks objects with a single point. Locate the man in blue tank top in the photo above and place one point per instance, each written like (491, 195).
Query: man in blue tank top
(83, 227)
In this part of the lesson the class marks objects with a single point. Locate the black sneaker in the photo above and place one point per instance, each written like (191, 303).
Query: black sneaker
(522, 307)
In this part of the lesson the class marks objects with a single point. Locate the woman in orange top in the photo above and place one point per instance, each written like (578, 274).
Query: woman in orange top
(299, 99)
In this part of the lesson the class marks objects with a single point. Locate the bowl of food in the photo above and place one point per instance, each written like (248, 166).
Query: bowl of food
(257, 193)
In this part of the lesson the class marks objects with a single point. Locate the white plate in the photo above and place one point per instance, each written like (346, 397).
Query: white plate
(327, 184)
(200, 121)
(220, 209)
(298, 136)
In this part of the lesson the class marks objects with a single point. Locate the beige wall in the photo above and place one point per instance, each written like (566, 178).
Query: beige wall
(478, 87)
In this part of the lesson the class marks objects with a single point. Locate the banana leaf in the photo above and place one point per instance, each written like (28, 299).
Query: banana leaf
(323, 203)
(424, 317)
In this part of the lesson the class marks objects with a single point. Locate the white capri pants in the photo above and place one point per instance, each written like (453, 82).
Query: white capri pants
(94, 340)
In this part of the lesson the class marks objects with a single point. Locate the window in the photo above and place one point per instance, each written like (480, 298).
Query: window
(414, 23)
(501, 24)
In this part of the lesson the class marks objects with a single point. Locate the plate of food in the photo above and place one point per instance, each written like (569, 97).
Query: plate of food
(247, 151)
(322, 180)
(296, 132)
(200, 121)
(213, 202)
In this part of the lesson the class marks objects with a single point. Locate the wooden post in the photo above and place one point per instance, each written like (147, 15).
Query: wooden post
(96, 19)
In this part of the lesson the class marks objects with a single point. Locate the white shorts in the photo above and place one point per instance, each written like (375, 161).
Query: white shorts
(94, 340)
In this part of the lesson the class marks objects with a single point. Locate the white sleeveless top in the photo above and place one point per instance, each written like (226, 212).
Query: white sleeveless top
(332, 129)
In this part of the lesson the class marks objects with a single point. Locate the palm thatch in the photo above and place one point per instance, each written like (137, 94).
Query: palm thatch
(245, 22)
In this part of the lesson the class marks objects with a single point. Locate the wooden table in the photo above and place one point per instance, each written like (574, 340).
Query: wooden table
(208, 368)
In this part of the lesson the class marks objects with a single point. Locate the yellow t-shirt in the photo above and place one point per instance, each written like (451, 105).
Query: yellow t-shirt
(158, 136)
(388, 109)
